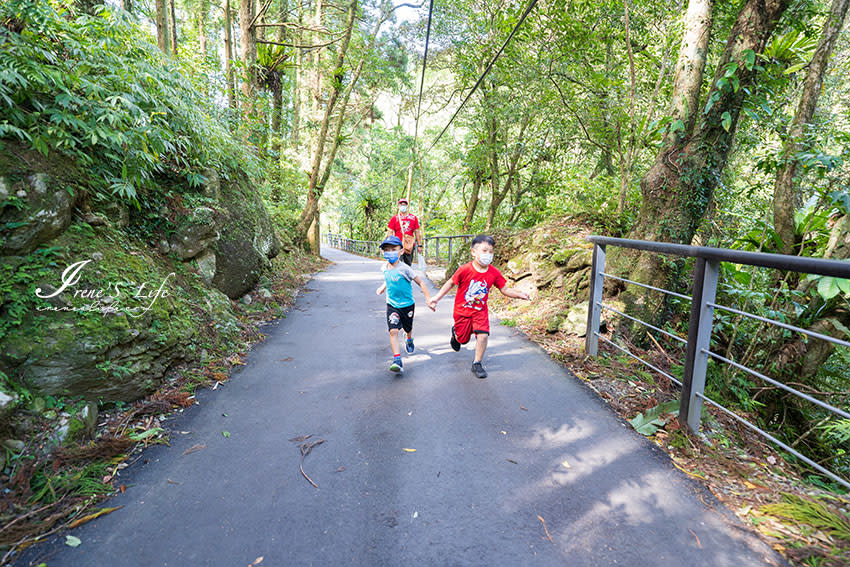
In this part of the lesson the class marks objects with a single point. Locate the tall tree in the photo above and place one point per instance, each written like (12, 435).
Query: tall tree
(228, 55)
(202, 27)
(677, 189)
(309, 216)
(785, 187)
(161, 26)
(173, 26)
(248, 44)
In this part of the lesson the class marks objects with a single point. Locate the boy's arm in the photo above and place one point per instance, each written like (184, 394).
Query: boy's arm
(440, 294)
(425, 291)
(516, 294)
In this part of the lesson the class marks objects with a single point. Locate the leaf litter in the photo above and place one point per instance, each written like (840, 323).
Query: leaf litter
(306, 446)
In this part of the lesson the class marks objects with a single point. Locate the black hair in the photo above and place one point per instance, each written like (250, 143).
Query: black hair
(483, 238)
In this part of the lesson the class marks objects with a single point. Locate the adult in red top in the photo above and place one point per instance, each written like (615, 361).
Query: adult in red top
(474, 282)
(405, 223)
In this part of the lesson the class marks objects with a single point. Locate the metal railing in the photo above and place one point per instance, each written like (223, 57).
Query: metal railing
(438, 254)
(701, 323)
(363, 247)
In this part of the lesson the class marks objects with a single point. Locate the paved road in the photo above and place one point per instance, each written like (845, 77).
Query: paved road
(491, 458)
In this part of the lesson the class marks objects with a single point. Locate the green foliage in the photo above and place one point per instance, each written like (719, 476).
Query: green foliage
(97, 89)
(814, 513)
(650, 421)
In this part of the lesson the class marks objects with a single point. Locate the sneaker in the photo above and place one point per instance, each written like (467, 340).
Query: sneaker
(478, 370)
(409, 346)
(396, 365)
(455, 344)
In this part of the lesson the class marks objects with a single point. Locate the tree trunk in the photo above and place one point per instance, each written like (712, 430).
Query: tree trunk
(173, 27)
(202, 27)
(228, 55)
(784, 190)
(310, 213)
(687, 81)
(473, 201)
(500, 194)
(677, 189)
(297, 79)
(626, 156)
(248, 44)
(127, 5)
(161, 26)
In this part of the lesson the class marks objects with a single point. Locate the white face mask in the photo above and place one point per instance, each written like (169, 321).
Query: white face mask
(485, 259)
(403, 208)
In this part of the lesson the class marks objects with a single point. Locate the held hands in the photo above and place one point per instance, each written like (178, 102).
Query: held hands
(432, 304)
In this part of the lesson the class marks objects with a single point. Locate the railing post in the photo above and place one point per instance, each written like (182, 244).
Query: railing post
(437, 249)
(699, 342)
(594, 310)
(451, 241)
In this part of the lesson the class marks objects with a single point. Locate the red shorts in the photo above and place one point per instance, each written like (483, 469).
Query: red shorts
(479, 322)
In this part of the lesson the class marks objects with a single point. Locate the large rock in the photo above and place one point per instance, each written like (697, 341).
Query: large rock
(7, 403)
(575, 323)
(247, 239)
(38, 208)
(194, 234)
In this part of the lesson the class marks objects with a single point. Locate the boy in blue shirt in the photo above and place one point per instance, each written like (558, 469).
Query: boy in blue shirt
(400, 304)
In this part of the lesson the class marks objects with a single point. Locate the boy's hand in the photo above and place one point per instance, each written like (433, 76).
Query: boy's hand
(432, 304)
(379, 291)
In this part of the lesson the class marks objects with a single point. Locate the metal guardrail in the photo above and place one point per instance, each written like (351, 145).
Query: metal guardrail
(432, 245)
(432, 250)
(703, 304)
(362, 247)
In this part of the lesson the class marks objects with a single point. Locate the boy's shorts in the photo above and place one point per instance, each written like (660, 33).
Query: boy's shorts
(400, 317)
(465, 326)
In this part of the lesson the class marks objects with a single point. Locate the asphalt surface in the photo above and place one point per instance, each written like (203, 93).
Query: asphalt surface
(433, 467)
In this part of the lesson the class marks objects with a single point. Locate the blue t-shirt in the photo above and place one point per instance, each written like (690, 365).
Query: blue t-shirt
(399, 289)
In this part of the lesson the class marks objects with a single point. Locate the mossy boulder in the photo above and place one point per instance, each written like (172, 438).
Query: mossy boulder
(195, 233)
(33, 210)
(247, 239)
(112, 335)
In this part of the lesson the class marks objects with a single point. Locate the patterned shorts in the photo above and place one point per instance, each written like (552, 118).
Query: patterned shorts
(400, 317)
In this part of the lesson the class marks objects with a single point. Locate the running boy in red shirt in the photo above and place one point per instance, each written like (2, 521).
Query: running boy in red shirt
(474, 281)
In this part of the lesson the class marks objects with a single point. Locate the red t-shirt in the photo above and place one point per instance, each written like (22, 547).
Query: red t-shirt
(473, 287)
(409, 223)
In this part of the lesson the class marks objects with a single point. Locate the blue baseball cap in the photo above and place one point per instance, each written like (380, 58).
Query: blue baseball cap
(391, 241)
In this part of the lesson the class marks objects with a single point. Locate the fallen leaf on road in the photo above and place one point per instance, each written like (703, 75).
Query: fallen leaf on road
(566, 465)
(174, 482)
(287, 359)
(90, 517)
(513, 461)
(122, 489)
(408, 450)
(696, 537)
(545, 529)
(72, 541)
(340, 469)
(226, 433)
(257, 561)
(195, 447)
(523, 408)
(305, 450)
(504, 432)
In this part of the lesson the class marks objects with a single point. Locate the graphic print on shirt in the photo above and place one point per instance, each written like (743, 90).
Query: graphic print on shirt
(405, 226)
(475, 295)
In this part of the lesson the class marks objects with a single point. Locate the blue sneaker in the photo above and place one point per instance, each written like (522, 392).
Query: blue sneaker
(409, 346)
(396, 365)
